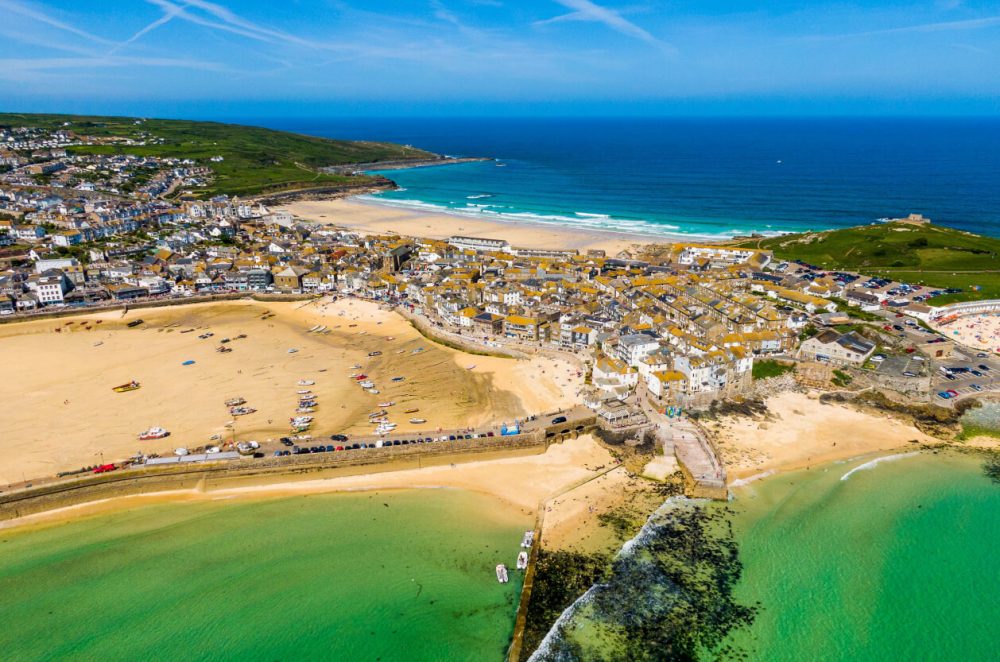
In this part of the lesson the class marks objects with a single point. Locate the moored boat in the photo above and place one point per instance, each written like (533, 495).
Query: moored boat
(153, 433)
(522, 561)
(528, 539)
(502, 573)
(130, 386)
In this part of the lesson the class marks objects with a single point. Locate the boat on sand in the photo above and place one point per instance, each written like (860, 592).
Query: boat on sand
(153, 433)
(130, 386)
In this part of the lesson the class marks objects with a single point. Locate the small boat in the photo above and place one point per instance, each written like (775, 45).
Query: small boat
(366, 384)
(98, 343)
(391, 338)
(180, 452)
(208, 334)
(221, 349)
(414, 410)
(470, 367)
(375, 353)
(528, 539)
(305, 382)
(134, 323)
(305, 392)
(386, 404)
(241, 411)
(502, 573)
(188, 362)
(378, 414)
(187, 330)
(241, 336)
(522, 561)
(212, 450)
(373, 391)
(398, 379)
(360, 377)
(235, 402)
(305, 410)
(417, 421)
(247, 447)
(356, 366)
(292, 350)
(153, 433)
(312, 329)
(130, 386)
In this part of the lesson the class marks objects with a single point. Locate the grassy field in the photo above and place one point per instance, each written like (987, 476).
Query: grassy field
(762, 369)
(256, 160)
(922, 254)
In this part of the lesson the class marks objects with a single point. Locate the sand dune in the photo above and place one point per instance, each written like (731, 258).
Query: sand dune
(61, 412)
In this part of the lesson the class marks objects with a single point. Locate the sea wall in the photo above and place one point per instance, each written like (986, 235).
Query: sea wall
(152, 303)
(216, 475)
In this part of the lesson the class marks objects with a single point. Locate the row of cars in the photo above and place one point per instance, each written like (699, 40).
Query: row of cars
(953, 373)
(332, 448)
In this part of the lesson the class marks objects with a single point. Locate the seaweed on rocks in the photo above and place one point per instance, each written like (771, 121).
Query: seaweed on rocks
(991, 468)
(560, 578)
(669, 595)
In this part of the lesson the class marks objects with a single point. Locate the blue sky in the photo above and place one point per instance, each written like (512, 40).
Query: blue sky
(496, 57)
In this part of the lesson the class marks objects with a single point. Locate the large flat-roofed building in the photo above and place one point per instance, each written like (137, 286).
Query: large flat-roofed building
(479, 243)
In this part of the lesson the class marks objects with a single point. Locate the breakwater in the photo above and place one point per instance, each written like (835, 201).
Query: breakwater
(217, 475)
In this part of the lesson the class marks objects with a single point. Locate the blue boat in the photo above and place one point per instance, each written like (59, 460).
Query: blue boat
(188, 362)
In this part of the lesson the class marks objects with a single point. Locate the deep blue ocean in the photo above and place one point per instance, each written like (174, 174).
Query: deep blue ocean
(719, 176)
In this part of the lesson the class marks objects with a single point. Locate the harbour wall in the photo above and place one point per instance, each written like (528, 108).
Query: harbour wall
(236, 473)
(152, 303)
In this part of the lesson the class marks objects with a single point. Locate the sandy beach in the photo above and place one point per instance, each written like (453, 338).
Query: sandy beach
(800, 432)
(372, 218)
(61, 412)
(579, 476)
(981, 331)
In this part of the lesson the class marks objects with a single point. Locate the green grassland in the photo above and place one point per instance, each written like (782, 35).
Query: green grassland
(922, 254)
(256, 160)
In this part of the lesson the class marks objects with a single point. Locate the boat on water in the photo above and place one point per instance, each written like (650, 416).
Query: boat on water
(130, 386)
(305, 382)
(386, 404)
(528, 539)
(414, 410)
(235, 402)
(502, 573)
(153, 433)
(522, 561)
(417, 421)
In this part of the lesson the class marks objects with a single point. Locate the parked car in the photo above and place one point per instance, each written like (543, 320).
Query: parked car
(558, 419)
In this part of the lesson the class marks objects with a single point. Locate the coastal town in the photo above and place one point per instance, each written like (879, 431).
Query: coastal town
(658, 328)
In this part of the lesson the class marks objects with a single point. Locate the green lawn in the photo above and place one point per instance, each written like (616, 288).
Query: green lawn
(923, 254)
(256, 160)
(765, 368)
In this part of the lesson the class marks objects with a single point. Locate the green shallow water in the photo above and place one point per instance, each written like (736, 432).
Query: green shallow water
(339, 576)
(897, 562)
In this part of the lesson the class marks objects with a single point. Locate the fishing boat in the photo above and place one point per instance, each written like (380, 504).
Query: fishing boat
(235, 402)
(130, 386)
(502, 573)
(414, 410)
(153, 433)
(305, 382)
(386, 404)
(522, 561)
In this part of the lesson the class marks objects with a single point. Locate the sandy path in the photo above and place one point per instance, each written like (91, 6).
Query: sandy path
(61, 414)
(373, 218)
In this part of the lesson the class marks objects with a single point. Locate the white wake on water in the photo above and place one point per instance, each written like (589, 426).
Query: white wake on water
(877, 461)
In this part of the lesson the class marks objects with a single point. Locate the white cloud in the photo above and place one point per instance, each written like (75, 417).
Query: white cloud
(585, 10)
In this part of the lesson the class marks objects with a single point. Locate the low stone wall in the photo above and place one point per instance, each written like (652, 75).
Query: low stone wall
(233, 473)
(153, 303)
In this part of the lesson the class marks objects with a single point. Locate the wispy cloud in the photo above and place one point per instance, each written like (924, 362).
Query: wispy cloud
(942, 26)
(31, 12)
(586, 10)
(228, 21)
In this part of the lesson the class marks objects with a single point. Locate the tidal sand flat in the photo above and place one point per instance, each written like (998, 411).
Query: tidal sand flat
(62, 413)
(872, 560)
(390, 575)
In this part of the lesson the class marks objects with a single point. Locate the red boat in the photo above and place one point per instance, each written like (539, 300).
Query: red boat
(104, 468)
(360, 378)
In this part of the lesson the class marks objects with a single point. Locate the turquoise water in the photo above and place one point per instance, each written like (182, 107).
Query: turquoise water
(707, 177)
(369, 576)
(896, 562)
